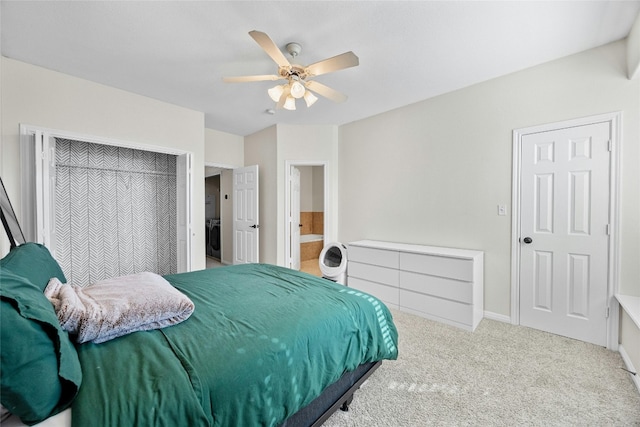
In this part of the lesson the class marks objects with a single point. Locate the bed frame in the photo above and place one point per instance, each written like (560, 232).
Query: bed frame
(9, 219)
(338, 395)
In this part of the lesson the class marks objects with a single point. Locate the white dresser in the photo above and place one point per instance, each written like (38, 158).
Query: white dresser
(442, 284)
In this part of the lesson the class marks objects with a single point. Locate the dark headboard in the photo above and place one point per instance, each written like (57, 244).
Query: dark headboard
(9, 219)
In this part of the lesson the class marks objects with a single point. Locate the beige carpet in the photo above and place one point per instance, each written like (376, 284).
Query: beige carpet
(499, 375)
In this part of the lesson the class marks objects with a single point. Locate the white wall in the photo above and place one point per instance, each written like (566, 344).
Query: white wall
(434, 172)
(36, 96)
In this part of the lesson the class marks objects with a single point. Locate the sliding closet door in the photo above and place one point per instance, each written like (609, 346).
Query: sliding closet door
(115, 211)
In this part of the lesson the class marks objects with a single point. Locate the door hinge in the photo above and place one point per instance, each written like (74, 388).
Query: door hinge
(610, 145)
(608, 229)
(606, 314)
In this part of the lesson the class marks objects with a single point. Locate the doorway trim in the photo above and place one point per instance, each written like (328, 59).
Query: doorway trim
(615, 145)
(287, 201)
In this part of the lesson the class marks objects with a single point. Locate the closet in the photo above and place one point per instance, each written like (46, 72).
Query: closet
(115, 211)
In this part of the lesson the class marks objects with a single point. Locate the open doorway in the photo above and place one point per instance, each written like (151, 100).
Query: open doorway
(306, 206)
(218, 214)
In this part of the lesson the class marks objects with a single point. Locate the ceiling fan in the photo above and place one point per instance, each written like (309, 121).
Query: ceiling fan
(298, 77)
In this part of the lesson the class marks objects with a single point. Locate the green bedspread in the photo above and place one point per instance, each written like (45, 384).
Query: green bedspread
(262, 343)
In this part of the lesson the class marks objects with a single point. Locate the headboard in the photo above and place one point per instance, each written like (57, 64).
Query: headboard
(9, 219)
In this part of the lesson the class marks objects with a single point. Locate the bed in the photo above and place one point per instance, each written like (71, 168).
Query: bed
(265, 345)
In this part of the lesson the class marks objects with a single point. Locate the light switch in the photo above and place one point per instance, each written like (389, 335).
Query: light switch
(502, 209)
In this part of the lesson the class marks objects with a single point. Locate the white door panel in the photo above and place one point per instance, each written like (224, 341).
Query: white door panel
(183, 211)
(565, 213)
(245, 215)
(294, 219)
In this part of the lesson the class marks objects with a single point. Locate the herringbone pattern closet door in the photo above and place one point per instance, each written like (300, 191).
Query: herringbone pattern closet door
(115, 211)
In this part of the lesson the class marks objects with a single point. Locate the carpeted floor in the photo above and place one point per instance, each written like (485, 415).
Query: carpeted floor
(499, 375)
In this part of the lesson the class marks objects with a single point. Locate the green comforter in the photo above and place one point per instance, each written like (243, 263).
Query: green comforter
(262, 343)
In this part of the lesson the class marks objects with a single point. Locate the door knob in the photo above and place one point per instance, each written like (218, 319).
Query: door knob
(255, 226)
(527, 240)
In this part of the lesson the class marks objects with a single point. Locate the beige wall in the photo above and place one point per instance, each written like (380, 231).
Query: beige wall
(4, 241)
(434, 172)
(226, 215)
(311, 188)
(270, 149)
(36, 96)
(633, 50)
(307, 144)
(223, 149)
(260, 149)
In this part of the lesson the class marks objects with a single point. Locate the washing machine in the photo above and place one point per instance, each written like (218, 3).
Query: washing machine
(333, 262)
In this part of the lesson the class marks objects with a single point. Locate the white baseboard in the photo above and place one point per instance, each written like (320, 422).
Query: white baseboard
(630, 367)
(495, 316)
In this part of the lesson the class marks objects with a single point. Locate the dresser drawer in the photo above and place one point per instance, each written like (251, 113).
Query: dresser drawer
(429, 305)
(454, 268)
(374, 273)
(389, 295)
(380, 257)
(441, 287)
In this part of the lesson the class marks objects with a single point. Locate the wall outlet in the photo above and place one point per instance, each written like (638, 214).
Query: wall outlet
(502, 209)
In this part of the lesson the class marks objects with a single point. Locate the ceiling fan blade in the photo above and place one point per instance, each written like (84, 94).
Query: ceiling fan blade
(326, 91)
(270, 47)
(283, 97)
(339, 62)
(242, 79)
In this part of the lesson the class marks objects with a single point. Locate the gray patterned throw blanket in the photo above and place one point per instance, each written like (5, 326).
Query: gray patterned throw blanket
(114, 307)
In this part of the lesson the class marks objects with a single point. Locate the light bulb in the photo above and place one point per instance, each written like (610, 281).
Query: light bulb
(310, 98)
(297, 89)
(276, 92)
(290, 103)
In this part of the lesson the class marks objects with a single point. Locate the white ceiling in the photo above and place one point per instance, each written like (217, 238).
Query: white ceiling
(178, 51)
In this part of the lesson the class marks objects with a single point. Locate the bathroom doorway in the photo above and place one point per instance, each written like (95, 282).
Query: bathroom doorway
(306, 216)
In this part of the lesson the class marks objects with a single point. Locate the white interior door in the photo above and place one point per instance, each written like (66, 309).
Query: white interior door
(294, 218)
(45, 171)
(564, 231)
(245, 215)
(183, 211)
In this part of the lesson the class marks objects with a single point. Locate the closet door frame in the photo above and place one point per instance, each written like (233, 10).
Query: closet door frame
(37, 157)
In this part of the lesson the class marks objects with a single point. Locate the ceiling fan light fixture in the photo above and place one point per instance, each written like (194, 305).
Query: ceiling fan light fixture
(276, 92)
(310, 98)
(290, 103)
(297, 89)
(296, 85)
